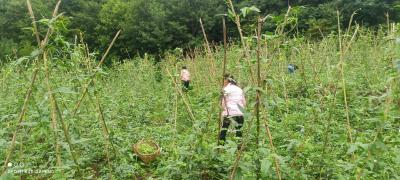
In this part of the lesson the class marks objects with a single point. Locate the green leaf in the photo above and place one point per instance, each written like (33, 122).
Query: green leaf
(20, 60)
(44, 21)
(362, 145)
(3, 143)
(248, 10)
(29, 124)
(265, 167)
(244, 11)
(397, 40)
(397, 159)
(35, 53)
(80, 141)
(254, 9)
(231, 15)
(352, 148)
(64, 90)
(398, 65)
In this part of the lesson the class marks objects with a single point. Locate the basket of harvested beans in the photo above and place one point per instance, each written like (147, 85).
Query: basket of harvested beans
(147, 150)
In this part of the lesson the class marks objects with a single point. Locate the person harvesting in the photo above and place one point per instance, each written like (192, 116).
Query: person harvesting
(185, 77)
(233, 102)
(292, 68)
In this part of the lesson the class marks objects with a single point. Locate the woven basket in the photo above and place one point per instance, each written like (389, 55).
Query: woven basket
(147, 158)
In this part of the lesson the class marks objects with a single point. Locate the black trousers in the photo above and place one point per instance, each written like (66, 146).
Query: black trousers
(185, 84)
(226, 122)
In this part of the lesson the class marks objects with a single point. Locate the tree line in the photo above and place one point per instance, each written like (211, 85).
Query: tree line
(156, 26)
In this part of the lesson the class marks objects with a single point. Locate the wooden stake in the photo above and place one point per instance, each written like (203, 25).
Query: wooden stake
(28, 3)
(271, 143)
(210, 55)
(106, 135)
(64, 127)
(258, 94)
(239, 154)
(28, 95)
(222, 80)
(85, 89)
(343, 81)
(237, 21)
(50, 30)
(20, 119)
(245, 47)
(53, 111)
(343, 49)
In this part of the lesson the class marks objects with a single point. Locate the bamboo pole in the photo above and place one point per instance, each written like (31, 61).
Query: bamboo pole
(343, 49)
(244, 44)
(67, 138)
(239, 154)
(28, 3)
(50, 30)
(271, 143)
(257, 109)
(210, 55)
(53, 110)
(85, 89)
(341, 60)
(285, 92)
(223, 74)
(258, 97)
(258, 94)
(239, 27)
(33, 79)
(349, 25)
(20, 119)
(106, 135)
(103, 124)
(175, 111)
(257, 112)
(28, 93)
(56, 110)
(326, 135)
(281, 27)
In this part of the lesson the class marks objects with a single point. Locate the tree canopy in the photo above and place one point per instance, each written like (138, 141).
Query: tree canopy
(155, 26)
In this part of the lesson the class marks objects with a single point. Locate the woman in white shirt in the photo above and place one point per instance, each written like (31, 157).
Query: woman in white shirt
(233, 102)
(185, 77)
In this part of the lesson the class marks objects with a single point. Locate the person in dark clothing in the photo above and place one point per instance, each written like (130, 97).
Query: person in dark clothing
(292, 68)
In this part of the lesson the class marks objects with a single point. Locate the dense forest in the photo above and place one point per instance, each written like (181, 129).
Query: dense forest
(157, 26)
